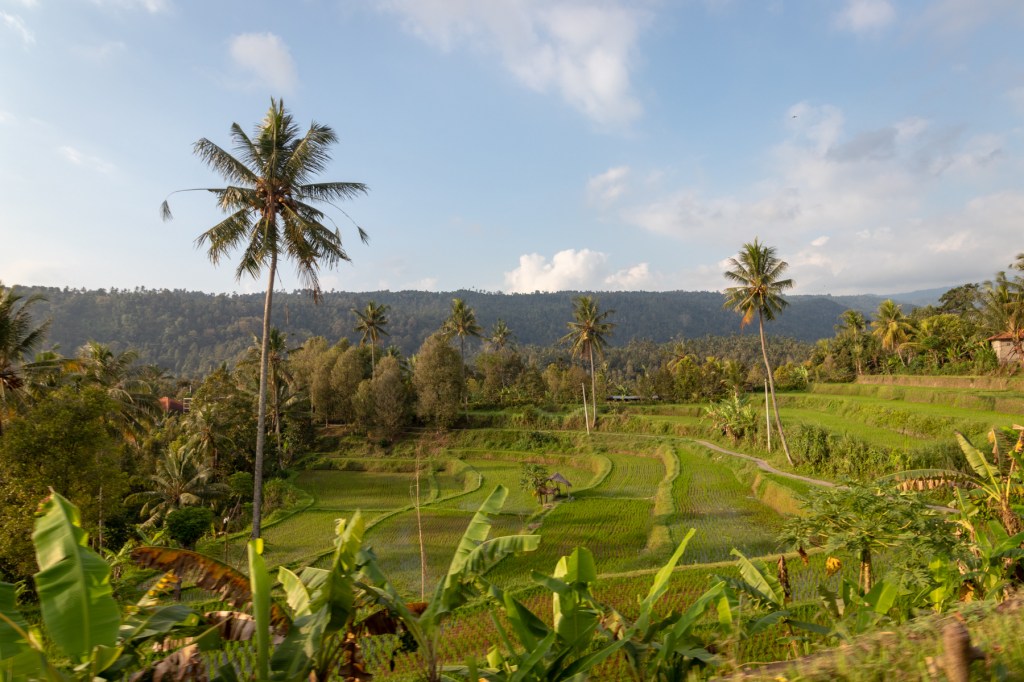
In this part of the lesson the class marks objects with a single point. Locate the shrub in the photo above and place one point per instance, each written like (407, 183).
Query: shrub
(188, 524)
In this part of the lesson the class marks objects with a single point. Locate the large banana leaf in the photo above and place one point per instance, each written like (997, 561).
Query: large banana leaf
(19, 658)
(73, 583)
(260, 580)
(475, 554)
(758, 582)
(985, 471)
(209, 574)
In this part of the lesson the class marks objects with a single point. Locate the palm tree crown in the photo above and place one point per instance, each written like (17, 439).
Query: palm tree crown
(501, 335)
(462, 322)
(269, 203)
(18, 338)
(371, 322)
(587, 335)
(757, 272)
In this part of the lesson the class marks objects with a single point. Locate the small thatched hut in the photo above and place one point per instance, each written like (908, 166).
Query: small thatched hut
(560, 480)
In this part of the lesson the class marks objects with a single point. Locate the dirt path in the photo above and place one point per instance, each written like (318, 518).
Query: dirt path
(765, 466)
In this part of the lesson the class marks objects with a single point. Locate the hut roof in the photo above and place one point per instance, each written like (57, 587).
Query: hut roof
(559, 478)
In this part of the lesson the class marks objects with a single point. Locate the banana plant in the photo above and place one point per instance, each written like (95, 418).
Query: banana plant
(80, 617)
(463, 582)
(585, 633)
(757, 601)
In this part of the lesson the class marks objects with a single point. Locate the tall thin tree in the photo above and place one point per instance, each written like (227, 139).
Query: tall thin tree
(758, 272)
(371, 322)
(588, 335)
(269, 203)
(462, 322)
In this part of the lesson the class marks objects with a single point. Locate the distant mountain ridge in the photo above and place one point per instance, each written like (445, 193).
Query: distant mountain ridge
(192, 332)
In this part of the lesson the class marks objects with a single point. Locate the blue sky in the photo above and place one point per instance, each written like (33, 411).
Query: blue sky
(521, 145)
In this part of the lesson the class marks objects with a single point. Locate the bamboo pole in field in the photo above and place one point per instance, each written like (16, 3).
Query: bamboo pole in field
(586, 417)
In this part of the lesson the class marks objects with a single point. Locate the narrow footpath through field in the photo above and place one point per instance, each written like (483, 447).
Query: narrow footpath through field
(765, 466)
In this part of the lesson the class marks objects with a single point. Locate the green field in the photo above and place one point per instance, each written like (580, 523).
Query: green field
(634, 496)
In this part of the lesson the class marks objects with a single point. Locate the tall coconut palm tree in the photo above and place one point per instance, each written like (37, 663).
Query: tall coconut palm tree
(462, 322)
(891, 327)
(270, 214)
(371, 322)
(757, 272)
(588, 335)
(19, 336)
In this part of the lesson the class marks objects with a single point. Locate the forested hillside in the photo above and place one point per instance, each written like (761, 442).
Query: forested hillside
(192, 332)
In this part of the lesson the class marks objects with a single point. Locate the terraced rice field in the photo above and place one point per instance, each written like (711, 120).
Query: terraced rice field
(708, 496)
(359, 489)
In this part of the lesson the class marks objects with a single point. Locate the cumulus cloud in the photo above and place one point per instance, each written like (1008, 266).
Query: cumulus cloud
(78, 158)
(574, 270)
(584, 52)
(846, 207)
(860, 16)
(15, 23)
(608, 186)
(266, 60)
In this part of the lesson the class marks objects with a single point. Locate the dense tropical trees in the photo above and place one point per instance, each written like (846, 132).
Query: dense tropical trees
(852, 326)
(758, 274)
(588, 335)
(269, 203)
(19, 337)
(370, 323)
(437, 378)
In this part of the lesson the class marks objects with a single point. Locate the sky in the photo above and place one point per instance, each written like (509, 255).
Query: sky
(526, 145)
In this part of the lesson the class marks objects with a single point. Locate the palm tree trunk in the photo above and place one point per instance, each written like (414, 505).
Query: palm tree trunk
(771, 388)
(261, 410)
(462, 372)
(593, 388)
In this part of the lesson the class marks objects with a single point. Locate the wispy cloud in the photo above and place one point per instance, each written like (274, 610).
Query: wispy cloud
(861, 16)
(16, 24)
(266, 60)
(848, 207)
(151, 6)
(79, 158)
(608, 186)
(582, 52)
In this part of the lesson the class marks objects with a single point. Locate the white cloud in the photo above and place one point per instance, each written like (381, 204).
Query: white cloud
(266, 59)
(6, 117)
(582, 51)
(151, 6)
(608, 186)
(575, 270)
(845, 208)
(76, 157)
(860, 16)
(16, 24)
(633, 278)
